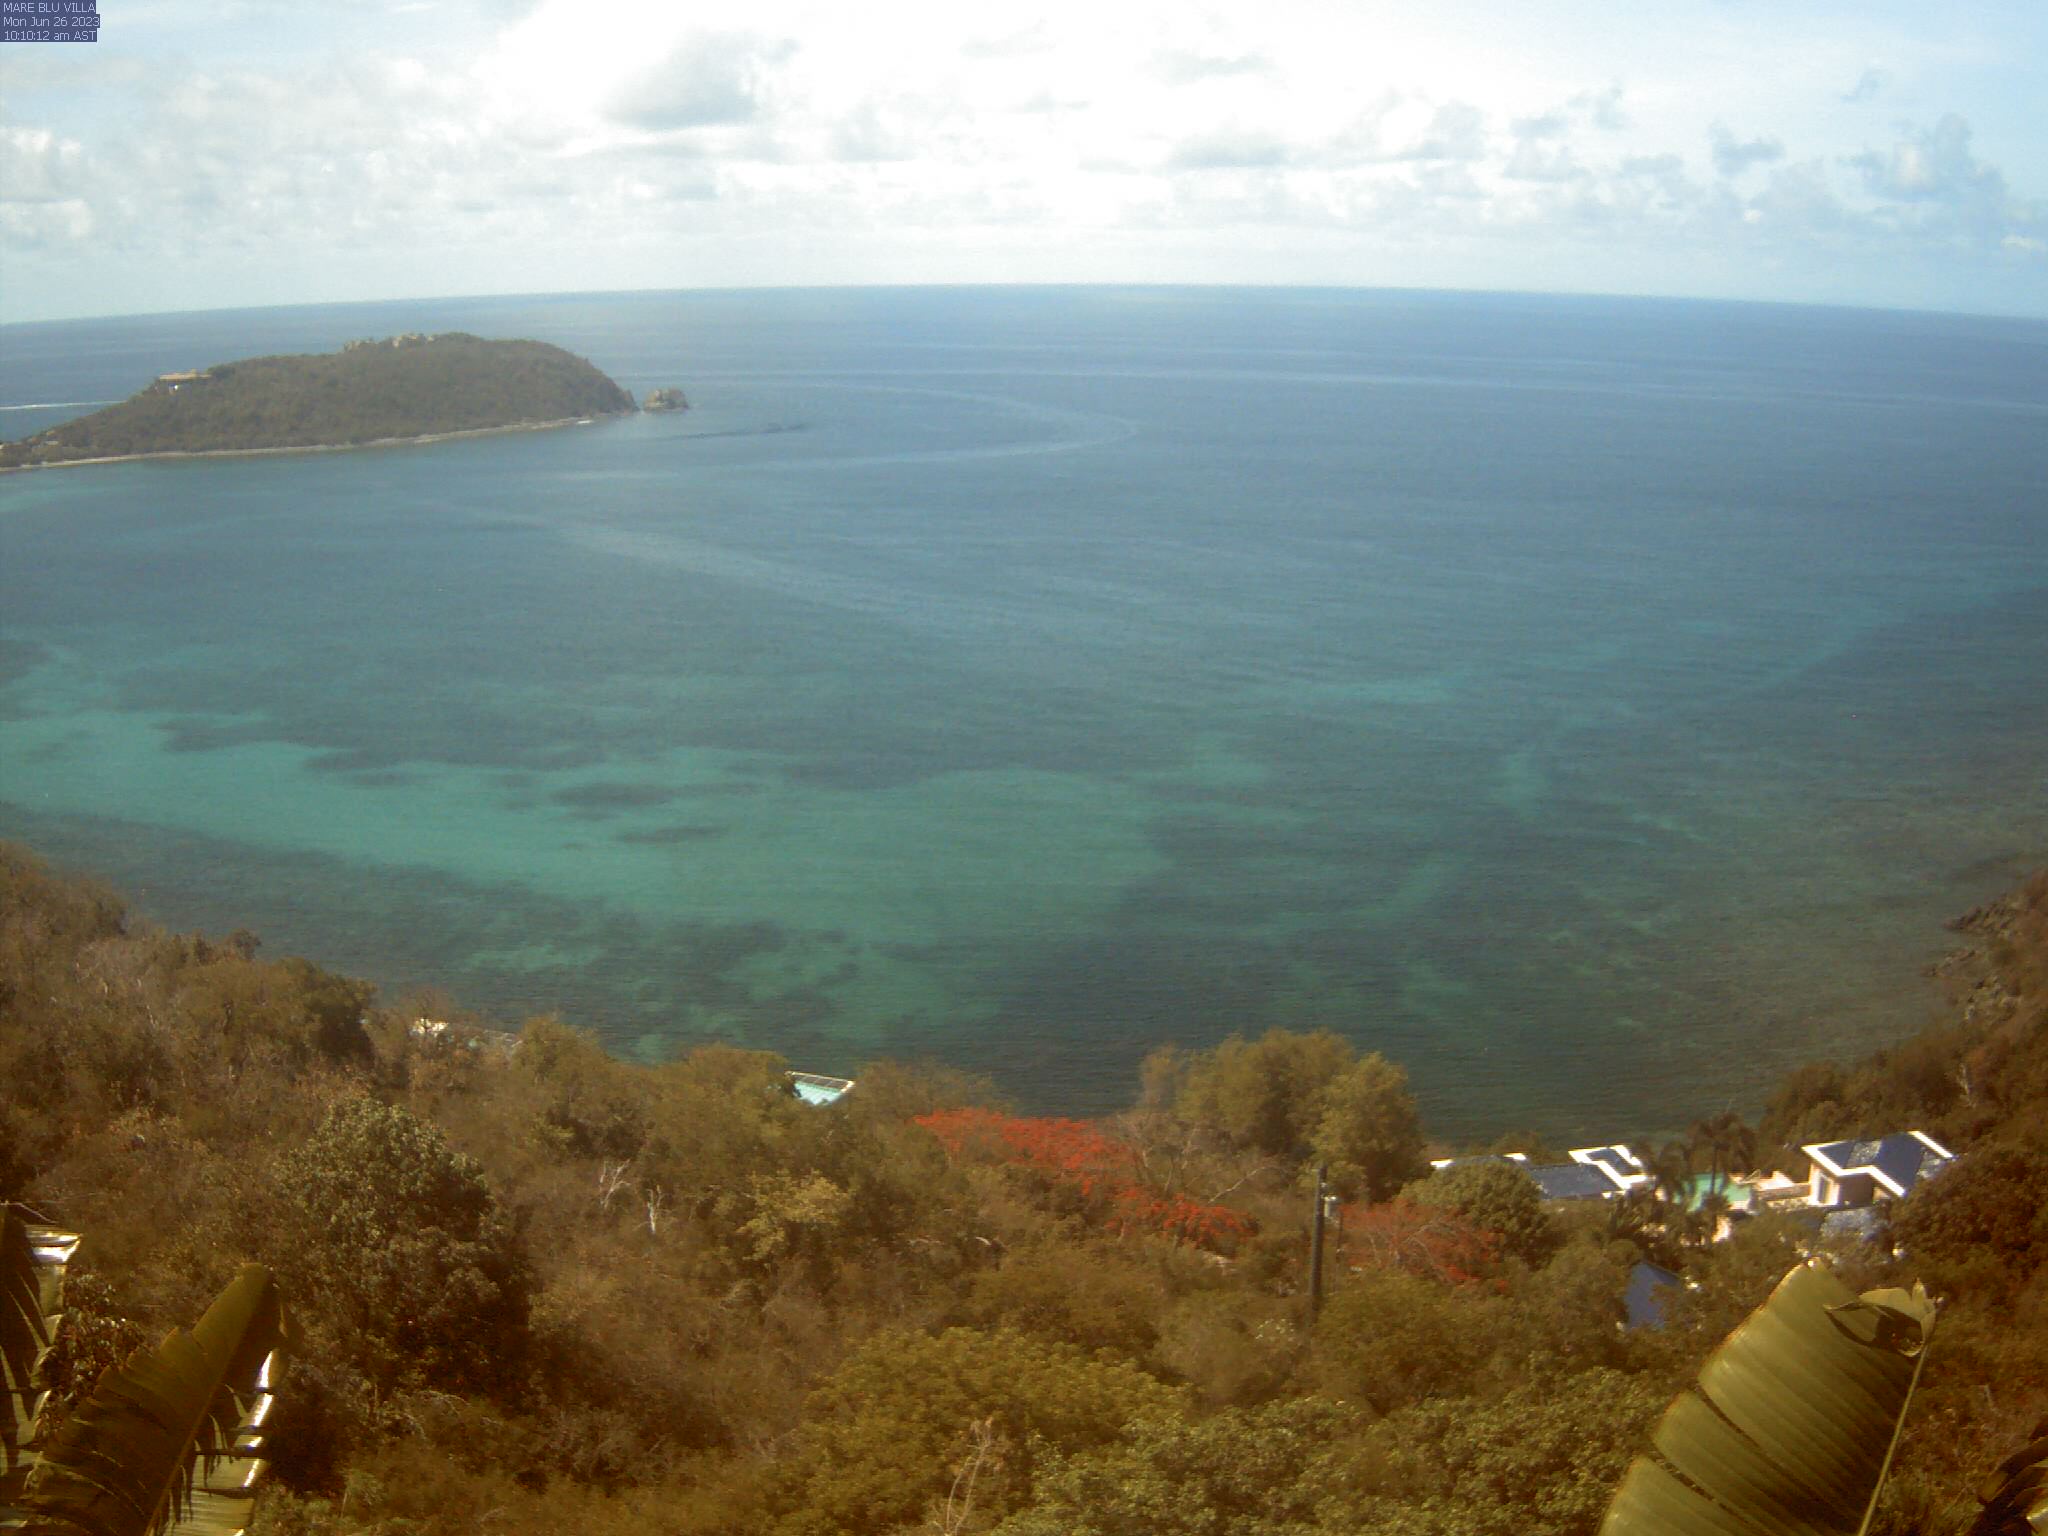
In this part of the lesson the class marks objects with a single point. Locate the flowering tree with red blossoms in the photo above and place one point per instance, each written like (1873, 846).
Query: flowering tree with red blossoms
(1419, 1240)
(1085, 1157)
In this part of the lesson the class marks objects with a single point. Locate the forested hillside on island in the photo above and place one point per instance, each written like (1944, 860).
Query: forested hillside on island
(372, 391)
(534, 1289)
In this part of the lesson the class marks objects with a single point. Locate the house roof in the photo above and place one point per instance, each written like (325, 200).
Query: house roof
(1622, 1167)
(1866, 1222)
(1593, 1173)
(1644, 1299)
(1897, 1162)
(1573, 1181)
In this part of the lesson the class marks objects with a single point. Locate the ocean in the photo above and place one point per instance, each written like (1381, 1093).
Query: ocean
(1596, 705)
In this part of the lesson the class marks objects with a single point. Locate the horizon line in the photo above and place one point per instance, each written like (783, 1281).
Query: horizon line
(1554, 294)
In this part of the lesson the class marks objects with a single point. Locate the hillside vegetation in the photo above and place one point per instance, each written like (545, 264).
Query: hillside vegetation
(369, 392)
(541, 1290)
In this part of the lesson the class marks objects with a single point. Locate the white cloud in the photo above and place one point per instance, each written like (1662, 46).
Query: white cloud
(1931, 165)
(873, 132)
(1537, 157)
(1395, 130)
(936, 139)
(1733, 156)
(32, 226)
(1455, 131)
(1930, 184)
(1181, 67)
(1603, 108)
(1228, 148)
(703, 81)
(36, 166)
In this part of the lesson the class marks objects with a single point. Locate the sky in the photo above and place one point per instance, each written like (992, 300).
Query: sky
(217, 153)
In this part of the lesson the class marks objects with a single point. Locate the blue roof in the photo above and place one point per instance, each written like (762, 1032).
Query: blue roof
(1645, 1303)
(1903, 1158)
(1609, 1157)
(1861, 1221)
(1572, 1181)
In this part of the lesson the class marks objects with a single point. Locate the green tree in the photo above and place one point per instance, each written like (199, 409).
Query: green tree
(403, 1251)
(1266, 1094)
(1495, 1197)
(1683, 1218)
(1256, 1472)
(1233, 1349)
(331, 1010)
(891, 1091)
(1671, 1171)
(886, 1432)
(1540, 1460)
(1808, 1106)
(1988, 1212)
(1367, 1129)
(595, 1105)
(1571, 1314)
(1387, 1339)
(1090, 1295)
(1726, 1144)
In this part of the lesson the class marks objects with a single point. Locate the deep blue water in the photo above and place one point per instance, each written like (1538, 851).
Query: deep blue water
(1596, 705)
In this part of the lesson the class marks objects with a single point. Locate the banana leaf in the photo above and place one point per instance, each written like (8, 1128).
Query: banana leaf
(124, 1463)
(32, 1263)
(2016, 1497)
(1789, 1430)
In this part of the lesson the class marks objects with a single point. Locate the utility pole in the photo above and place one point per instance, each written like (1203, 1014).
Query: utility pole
(1315, 1248)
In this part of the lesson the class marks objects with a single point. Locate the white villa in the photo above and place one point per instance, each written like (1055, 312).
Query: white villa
(1847, 1175)
(1853, 1173)
(1594, 1173)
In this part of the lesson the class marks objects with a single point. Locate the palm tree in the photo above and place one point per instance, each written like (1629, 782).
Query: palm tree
(1728, 1143)
(1671, 1171)
(1704, 1219)
(1638, 1217)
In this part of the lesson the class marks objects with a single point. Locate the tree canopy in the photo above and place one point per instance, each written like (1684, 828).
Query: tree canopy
(370, 393)
(1495, 1197)
(404, 1239)
(539, 1288)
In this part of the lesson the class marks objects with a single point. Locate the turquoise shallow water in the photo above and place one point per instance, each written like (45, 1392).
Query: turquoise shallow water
(1595, 704)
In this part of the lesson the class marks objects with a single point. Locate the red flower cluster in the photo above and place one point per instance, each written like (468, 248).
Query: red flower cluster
(1069, 1149)
(1182, 1219)
(1418, 1241)
(1083, 1155)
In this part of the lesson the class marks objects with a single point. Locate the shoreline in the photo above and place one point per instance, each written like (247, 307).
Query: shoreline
(1956, 984)
(376, 442)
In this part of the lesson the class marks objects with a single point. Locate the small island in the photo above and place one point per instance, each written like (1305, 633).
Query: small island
(408, 388)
